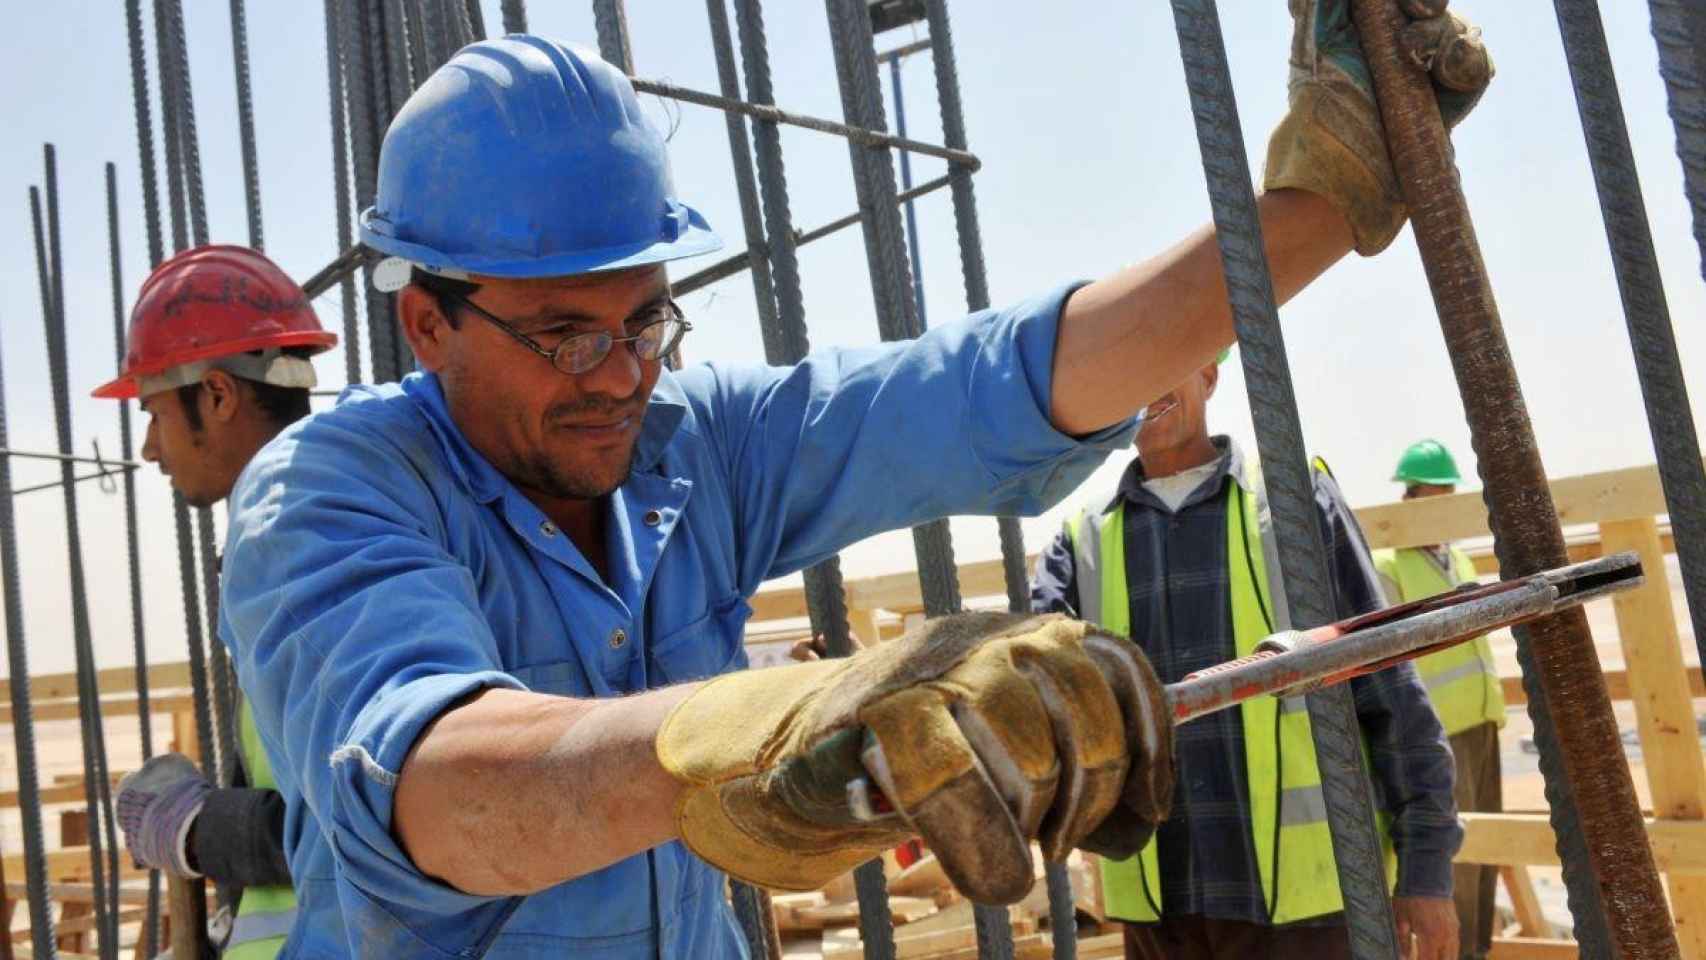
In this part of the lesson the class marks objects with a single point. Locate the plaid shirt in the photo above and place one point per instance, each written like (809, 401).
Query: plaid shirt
(1181, 616)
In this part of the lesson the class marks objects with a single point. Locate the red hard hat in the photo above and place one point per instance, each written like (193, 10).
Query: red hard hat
(212, 302)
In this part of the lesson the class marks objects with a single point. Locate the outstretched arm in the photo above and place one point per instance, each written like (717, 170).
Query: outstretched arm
(1129, 338)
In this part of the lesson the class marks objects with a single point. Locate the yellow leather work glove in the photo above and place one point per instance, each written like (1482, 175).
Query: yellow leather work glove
(1331, 141)
(993, 729)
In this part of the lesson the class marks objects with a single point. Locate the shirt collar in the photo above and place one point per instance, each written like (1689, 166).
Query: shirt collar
(664, 413)
(1231, 463)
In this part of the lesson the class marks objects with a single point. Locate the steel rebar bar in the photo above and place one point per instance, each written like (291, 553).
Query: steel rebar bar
(1651, 336)
(1279, 440)
(1679, 30)
(1560, 668)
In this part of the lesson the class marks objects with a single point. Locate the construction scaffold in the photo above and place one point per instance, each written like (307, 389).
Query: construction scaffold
(379, 51)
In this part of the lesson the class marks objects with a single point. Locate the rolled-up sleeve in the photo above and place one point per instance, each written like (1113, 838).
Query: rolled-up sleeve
(352, 630)
(1412, 767)
(850, 443)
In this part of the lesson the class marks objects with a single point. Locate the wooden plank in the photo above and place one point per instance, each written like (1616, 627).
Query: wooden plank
(185, 739)
(111, 707)
(60, 793)
(1626, 494)
(70, 864)
(900, 591)
(63, 686)
(1530, 948)
(187, 903)
(1531, 920)
(1616, 681)
(1679, 846)
(1664, 715)
(130, 894)
(81, 924)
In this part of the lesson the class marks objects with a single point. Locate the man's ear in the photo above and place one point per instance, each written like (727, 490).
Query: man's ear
(220, 397)
(425, 326)
(1210, 379)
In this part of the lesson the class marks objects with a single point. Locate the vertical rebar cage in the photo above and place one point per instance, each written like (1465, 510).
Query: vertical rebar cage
(378, 51)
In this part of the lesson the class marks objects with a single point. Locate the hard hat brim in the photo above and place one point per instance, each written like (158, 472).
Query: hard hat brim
(698, 238)
(124, 387)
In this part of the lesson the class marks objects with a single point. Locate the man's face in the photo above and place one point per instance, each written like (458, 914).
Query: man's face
(565, 436)
(181, 450)
(1416, 491)
(1178, 417)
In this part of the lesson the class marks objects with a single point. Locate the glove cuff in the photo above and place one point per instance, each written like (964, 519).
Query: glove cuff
(1333, 147)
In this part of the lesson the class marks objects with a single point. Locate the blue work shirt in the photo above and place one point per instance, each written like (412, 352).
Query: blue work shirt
(378, 569)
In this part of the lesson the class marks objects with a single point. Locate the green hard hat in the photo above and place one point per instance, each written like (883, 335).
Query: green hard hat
(1222, 355)
(1427, 461)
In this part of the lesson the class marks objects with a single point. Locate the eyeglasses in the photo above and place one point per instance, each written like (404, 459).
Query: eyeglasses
(658, 330)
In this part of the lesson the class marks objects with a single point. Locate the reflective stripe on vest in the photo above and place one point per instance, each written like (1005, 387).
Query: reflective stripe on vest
(264, 914)
(1288, 812)
(1462, 681)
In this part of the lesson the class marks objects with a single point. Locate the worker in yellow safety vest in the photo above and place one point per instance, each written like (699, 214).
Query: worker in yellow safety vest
(1462, 682)
(1181, 559)
(217, 354)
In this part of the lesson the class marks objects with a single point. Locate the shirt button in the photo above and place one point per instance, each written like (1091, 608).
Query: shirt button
(618, 637)
(548, 528)
(653, 518)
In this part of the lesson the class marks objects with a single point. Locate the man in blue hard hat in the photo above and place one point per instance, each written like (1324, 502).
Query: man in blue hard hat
(1462, 682)
(476, 611)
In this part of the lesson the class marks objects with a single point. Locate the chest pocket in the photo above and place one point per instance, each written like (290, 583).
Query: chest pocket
(706, 647)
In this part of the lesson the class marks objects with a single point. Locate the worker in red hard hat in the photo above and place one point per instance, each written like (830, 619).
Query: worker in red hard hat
(218, 356)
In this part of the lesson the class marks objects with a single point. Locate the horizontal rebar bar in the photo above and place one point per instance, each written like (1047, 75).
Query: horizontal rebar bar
(723, 269)
(863, 136)
(69, 458)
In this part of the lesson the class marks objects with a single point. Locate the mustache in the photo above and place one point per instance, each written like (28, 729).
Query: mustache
(594, 408)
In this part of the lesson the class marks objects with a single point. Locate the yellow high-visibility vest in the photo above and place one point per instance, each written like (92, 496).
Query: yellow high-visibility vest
(1462, 681)
(265, 914)
(1288, 813)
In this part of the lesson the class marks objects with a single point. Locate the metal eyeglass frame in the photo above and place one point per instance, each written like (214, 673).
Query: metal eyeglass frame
(665, 348)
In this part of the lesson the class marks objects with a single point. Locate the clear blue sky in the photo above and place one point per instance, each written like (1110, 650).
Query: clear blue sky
(1079, 112)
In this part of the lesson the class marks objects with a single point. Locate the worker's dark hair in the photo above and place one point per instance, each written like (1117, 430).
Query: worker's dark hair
(441, 288)
(281, 405)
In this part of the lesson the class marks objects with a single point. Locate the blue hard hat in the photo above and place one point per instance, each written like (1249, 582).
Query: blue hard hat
(524, 157)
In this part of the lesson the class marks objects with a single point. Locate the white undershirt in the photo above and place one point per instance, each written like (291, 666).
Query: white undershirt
(1173, 490)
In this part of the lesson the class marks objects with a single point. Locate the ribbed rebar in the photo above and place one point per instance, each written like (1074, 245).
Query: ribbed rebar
(97, 789)
(773, 185)
(1669, 415)
(201, 696)
(897, 319)
(1560, 667)
(169, 131)
(611, 21)
(476, 20)
(188, 143)
(757, 919)
(1679, 29)
(916, 258)
(460, 24)
(515, 16)
(23, 719)
(399, 78)
(133, 556)
(434, 30)
(218, 661)
(420, 58)
(341, 188)
(144, 131)
(367, 127)
(1279, 441)
(746, 187)
(246, 124)
(970, 236)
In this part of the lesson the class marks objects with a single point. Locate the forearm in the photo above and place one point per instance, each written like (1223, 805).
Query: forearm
(239, 838)
(512, 792)
(1129, 338)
